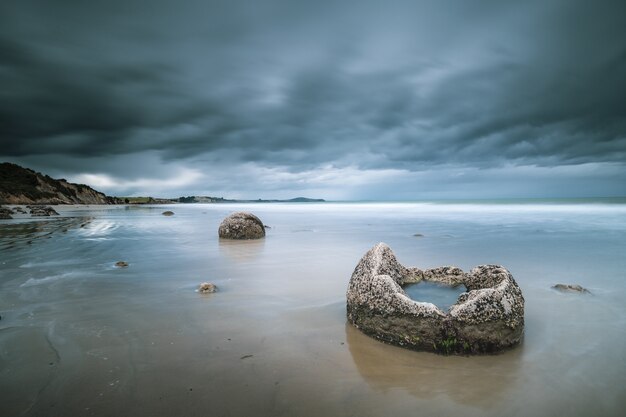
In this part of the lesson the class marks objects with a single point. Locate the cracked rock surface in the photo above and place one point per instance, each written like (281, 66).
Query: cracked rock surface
(488, 318)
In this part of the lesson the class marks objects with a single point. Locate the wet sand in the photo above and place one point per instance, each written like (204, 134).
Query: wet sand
(79, 337)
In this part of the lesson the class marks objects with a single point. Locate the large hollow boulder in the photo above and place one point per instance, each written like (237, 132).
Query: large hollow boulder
(488, 318)
(241, 225)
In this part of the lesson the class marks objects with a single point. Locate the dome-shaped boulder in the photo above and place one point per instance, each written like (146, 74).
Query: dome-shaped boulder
(241, 225)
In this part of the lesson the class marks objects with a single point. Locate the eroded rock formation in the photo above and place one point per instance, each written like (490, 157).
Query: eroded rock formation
(488, 318)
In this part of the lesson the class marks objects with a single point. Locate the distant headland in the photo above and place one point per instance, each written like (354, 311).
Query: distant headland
(19, 185)
(210, 200)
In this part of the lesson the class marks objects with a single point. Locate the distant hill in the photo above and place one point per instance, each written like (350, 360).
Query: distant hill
(20, 185)
(305, 200)
(208, 199)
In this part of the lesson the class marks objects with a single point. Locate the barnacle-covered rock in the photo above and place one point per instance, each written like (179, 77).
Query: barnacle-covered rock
(489, 317)
(241, 225)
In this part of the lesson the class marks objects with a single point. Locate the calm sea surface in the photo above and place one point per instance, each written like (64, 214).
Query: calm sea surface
(80, 337)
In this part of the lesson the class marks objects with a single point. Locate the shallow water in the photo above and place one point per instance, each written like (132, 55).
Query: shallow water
(442, 296)
(80, 337)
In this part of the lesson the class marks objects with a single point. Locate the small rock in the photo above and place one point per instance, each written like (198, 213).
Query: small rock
(121, 264)
(207, 288)
(418, 235)
(571, 288)
(168, 213)
(246, 356)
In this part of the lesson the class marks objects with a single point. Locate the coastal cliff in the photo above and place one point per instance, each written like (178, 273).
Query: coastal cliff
(20, 185)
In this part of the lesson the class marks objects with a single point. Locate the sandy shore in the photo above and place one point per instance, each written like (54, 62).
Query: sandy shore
(80, 337)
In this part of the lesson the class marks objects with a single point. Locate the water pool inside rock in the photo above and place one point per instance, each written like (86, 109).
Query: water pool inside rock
(440, 295)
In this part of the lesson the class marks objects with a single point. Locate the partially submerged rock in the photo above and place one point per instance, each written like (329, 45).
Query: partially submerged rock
(207, 288)
(42, 211)
(5, 213)
(241, 225)
(168, 213)
(571, 288)
(121, 264)
(488, 318)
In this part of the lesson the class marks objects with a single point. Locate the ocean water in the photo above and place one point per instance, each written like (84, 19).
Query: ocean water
(442, 296)
(80, 337)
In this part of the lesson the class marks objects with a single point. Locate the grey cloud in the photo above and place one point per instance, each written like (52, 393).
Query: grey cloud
(411, 85)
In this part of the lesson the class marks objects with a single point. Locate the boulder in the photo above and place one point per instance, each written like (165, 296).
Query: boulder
(488, 318)
(168, 213)
(121, 264)
(241, 225)
(571, 288)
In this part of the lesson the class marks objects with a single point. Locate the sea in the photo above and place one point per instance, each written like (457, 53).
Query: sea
(82, 337)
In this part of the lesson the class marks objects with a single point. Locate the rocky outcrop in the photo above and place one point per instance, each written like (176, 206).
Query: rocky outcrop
(24, 186)
(571, 288)
(488, 318)
(42, 211)
(5, 213)
(241, 225)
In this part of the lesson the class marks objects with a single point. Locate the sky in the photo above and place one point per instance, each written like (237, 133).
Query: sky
(334, 99)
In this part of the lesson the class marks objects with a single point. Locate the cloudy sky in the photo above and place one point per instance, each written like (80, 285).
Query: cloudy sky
(330, 99)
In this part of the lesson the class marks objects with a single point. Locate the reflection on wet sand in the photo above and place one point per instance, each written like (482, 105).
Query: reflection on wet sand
(242, 250)
(14, 235)
(479, 381)
(31, 361)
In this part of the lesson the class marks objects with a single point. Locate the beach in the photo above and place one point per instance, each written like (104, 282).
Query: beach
(82, 337)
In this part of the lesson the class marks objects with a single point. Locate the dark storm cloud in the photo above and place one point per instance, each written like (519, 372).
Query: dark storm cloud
(373, 85)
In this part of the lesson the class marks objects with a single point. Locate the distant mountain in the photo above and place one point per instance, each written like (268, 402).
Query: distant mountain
(20, 185)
